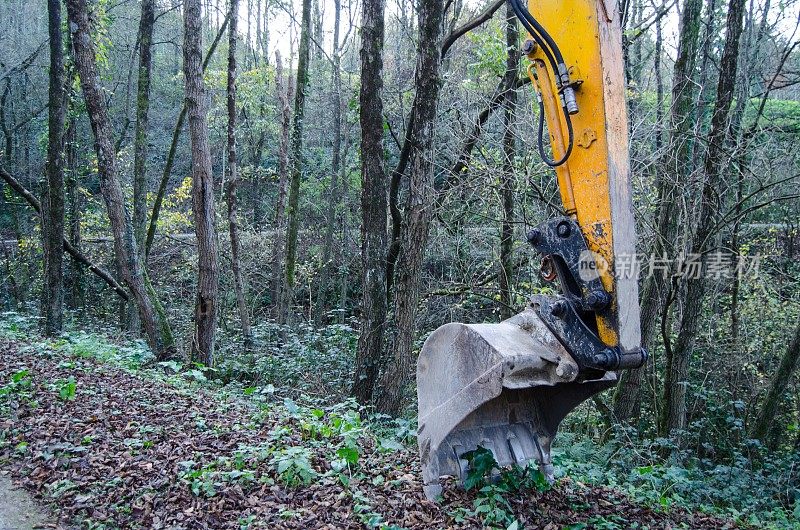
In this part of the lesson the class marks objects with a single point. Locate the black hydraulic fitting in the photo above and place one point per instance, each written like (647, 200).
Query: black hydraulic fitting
(606, 359)
(597, 300)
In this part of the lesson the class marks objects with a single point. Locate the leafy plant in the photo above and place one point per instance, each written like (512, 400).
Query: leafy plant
(20, 384)
(310, 357)
(200, 479)
(496, 484)
(721, 488)
(293, 465)
(481, 463)
(67, 389)
(611, 522)
(16, 325)
(365, 512)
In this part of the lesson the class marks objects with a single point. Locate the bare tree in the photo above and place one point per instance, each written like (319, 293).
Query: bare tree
(233, 180)
(292, 209)
(283, 88)
(205, 314)
(333, 192)
(373, 203)
(173, 148)
(53, 200)
(156, 329)
(74, 284)
(399, 171)
(506, 273)
(674, 167)
(142, 110)
(677, 370)
(419, 207)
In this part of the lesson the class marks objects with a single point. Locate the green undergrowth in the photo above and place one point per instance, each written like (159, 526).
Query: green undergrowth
(760, 488)
(318, 361)
(309, 441)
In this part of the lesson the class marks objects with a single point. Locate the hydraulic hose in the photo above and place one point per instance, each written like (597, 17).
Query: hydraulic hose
(556, 60)
(553, 53)
(540, 141)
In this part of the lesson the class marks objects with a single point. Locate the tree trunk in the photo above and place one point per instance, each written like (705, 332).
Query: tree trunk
(8, 136)
(6, 152)
(265, 31)
(373, 203)
(735, 234)
(206, 305)
(344, 251)
(233, 181)
(74, 199)
(750, 47)
(142, 109)
(297, 163)
(284, 96)
(673, 167)
(53, 203)
(419, 208)
(248, 37)
(318, 35)
(506, 273)
(399, 170)
(146, 22)
(333, 193)
(125, 248)
(777, 387)
(704, 80)
(258, 30)
(657, 52)
(677, 374)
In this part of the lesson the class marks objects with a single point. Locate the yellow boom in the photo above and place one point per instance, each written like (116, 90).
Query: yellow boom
(594, 181)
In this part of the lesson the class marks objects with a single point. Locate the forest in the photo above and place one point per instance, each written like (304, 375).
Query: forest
(227, 228)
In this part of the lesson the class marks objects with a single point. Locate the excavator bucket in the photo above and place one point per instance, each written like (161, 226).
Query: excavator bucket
(505, 387)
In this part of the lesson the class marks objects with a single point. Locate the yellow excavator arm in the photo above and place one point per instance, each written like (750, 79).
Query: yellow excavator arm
(594, 180)
(506, 387)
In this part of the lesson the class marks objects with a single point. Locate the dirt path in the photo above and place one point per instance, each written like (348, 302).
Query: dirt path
(18, 510)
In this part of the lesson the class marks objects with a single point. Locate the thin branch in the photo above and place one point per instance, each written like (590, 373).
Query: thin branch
(765, 96)
(71, 250)
(485, 15)
(465, 155)
(173, 8)
(25, 63)
(393, 133)
(645, 25)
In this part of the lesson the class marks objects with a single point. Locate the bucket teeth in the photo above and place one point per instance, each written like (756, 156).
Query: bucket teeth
(505, 387)
(516, 450)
